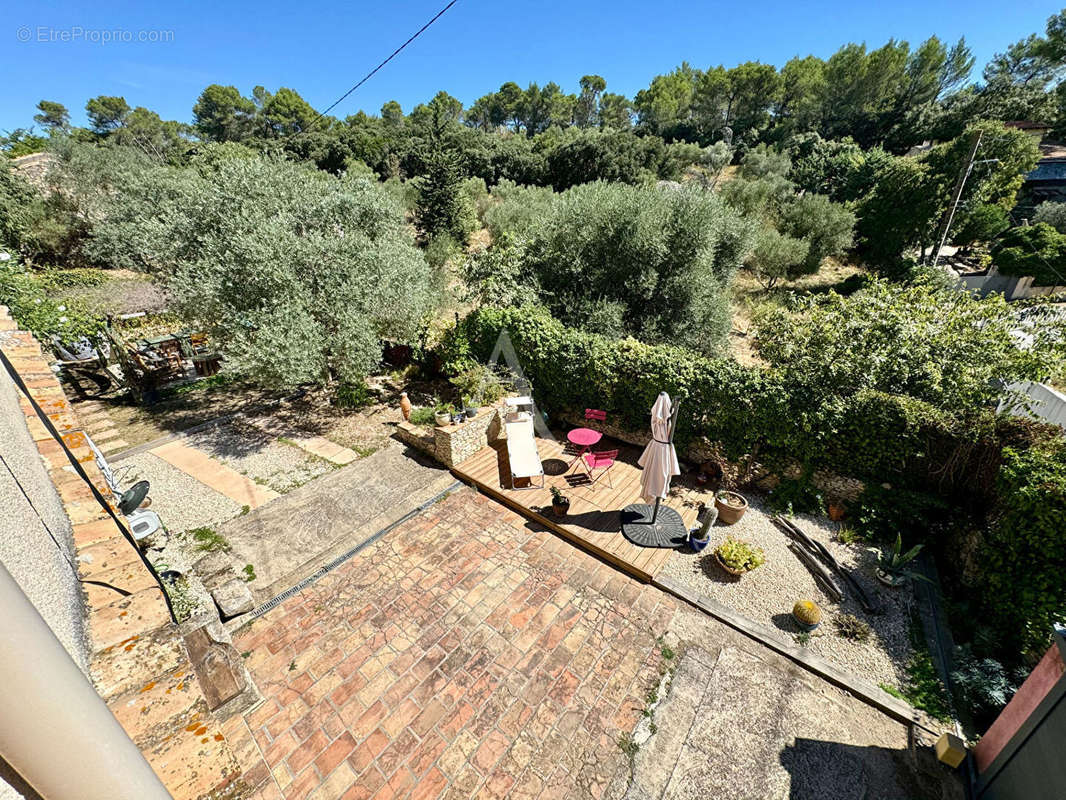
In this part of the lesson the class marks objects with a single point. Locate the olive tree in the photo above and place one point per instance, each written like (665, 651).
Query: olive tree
(296, 273)
(828, 228)
(642, 261)
(777, 256)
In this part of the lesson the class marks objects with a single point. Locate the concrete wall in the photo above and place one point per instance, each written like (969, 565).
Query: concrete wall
(1012, 288)
(31, 508)
(1048, 404)
(32, 515)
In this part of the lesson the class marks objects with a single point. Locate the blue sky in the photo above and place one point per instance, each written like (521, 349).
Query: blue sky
(321, 49)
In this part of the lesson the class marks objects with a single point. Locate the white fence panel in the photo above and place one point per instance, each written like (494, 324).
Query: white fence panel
(1047, 404)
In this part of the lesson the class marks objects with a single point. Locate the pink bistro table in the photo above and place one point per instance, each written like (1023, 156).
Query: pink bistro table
(583, 439)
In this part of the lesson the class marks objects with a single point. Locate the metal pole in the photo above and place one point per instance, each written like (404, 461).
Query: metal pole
(55, 731)
(960, 184)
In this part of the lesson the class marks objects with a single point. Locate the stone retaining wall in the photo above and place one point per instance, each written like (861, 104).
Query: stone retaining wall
(454, 444)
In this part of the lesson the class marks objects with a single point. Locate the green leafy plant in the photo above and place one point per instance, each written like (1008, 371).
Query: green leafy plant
(557, 495)
(982, 684)
(352, 394)
(848, 535)
(208, 540)
(478, 384)
(422, 416)
(739, 555)
(894, 561)
(181, 598)
(848, 626)
(922, 687)
(249, 573)
(796, 496)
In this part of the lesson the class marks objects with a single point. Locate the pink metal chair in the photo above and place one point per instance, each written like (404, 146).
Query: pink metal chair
(595, 414)
(602, 461)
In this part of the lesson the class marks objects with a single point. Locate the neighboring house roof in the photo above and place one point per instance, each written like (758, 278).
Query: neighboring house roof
(1048, 170)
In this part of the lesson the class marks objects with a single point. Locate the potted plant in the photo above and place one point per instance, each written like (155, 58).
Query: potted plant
(892, 569)
(736, 556)
(560, 502)
(470, 408)
(443, 414)
(731, 506)
(700, 537)
(807, 615)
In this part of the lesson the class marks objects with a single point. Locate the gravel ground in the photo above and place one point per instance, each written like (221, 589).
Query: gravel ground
(181, 501)
(767, 594)
(264, 459)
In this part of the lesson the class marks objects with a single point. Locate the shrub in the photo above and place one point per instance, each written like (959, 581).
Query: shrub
(352, 395)
(1037, 251)
(827, 228)
(516, 210)
(777, 257)
(848, 626)
(25, 293)
(422, 416)
(1023, 580)
(796, 495)
(1053, 214)
(933, 344)
(982, 684)
(662, 260)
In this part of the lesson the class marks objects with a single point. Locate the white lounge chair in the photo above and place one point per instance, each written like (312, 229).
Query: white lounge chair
(522, 454)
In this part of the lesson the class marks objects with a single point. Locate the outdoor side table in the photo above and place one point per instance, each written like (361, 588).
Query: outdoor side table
(583, 439)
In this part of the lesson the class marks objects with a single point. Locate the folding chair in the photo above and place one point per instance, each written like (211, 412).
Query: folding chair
(602, 461)
(595, 414)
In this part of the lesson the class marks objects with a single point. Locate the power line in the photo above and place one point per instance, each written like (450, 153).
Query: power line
(370, 74)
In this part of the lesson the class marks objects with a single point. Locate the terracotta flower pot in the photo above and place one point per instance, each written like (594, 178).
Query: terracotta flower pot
(405, 406)
(837, 510)
(729, 513)
(561, 508)
(736, 574)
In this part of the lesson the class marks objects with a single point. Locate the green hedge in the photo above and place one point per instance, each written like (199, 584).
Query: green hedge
(744, 409)
(572, 370)
(1023, 577)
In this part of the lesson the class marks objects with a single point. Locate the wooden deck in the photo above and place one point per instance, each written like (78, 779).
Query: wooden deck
(594, 520)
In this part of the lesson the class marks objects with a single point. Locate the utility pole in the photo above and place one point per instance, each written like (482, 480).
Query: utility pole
(956, 195)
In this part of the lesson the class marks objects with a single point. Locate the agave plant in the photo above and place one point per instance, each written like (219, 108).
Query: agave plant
(894, 562)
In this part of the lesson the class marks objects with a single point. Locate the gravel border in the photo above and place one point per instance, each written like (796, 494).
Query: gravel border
(266, 459)
(767, 594)
(181, 501)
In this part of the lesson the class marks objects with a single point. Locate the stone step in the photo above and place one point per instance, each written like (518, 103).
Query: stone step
(113, 446)
(100, 436)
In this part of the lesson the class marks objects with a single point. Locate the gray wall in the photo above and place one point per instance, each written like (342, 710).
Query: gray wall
(29, 509)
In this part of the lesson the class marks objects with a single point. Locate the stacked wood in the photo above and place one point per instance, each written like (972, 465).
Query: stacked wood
(811, 551)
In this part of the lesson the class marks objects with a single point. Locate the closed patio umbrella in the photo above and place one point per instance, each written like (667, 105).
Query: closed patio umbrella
(655, 525)
(659, 459)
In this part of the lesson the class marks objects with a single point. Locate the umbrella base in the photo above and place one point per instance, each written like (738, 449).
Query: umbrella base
(668, 530)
